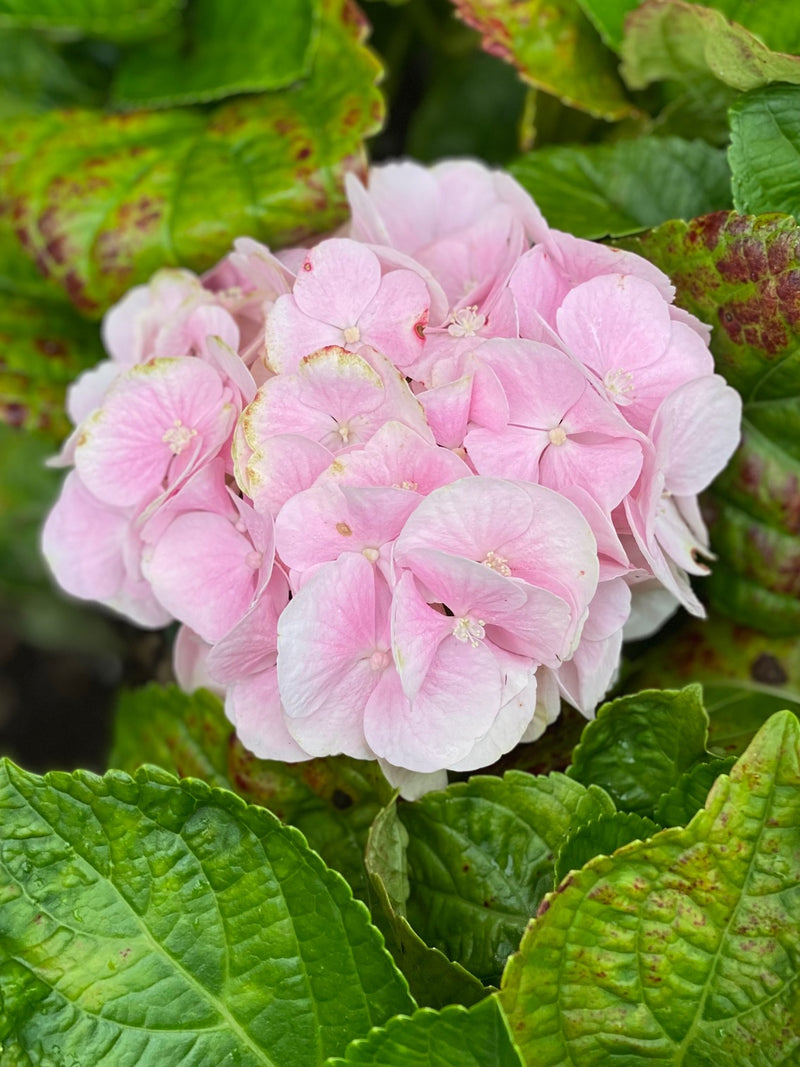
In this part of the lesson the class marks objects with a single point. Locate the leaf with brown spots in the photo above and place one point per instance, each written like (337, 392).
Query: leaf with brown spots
(681, 950)
(332, 800)
(555, 48)
(102, 201)
(742, 274)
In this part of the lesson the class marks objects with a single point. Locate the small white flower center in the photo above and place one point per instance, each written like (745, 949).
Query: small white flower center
(378, 660)
(619, 386)
(469, 630)
(557, 436)
(371, 554)
(466, 322)
(178, 436)
(496, 563)
(406, 485)
(344, 433)
(351, 335)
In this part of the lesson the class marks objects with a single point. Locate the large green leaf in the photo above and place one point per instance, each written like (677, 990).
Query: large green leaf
(742, 274)
(117, 20)
(599, 190)
(765, 150)
(746, 676)
(433, 979)
(681, 950)
(102, 201)
(554, 47)
(224, 49)
(481, 857)
(333, 800)
(171, 923)
(639, 745)
(479, 1037)
(693, 43)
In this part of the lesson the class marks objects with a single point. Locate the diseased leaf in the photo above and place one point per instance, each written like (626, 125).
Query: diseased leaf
(332, 800)
(639, 745)
(103, 201)
(172, 923)
(479, 1037)
(123, 20)
(746, 676)
(680, 950)
(602, 837)
(45, 345)
(692, 43)
(742, 274)
(600, 190)
(480, 859)
(689, 793)
(555, 48)
(433, 979)
(247, 47)
(765, 150)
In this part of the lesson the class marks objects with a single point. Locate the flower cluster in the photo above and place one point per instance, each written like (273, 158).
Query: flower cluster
(402, 488)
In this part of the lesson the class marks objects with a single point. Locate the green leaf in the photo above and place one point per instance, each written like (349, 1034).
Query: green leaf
(480, 860)
(599, 190)
(746, 676)
(121, 20)
(680, 950)
(692, 43)
(433, 979)
(172, 923)
(247, 47)
(479, 1037)
(742, 274)
(555, 48)
(34, 76)
(332, 801)
(765, 150)
(602, 837)
(639, 745)
(689, 793)
(608, 18)
(102, 201)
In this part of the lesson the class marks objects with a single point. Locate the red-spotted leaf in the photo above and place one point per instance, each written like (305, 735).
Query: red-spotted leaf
(101, 201)
(555, 48)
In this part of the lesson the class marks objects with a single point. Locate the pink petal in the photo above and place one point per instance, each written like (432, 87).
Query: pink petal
(338, 279)
(253, 705)
(332, 646)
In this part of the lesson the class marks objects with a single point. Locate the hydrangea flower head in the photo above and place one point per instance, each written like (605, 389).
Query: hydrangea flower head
(403, 488)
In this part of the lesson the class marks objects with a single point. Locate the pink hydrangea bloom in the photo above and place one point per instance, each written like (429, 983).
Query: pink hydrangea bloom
(405, 488)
